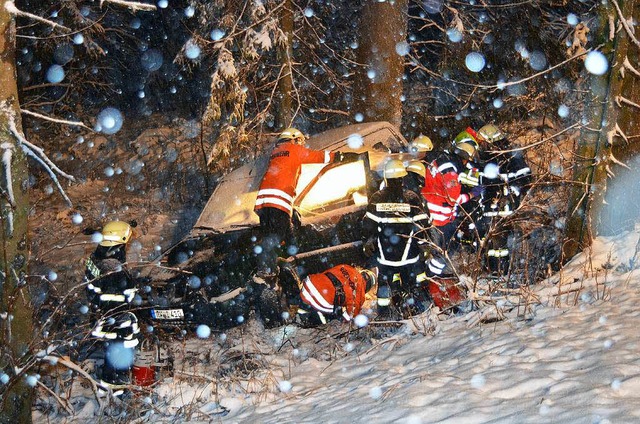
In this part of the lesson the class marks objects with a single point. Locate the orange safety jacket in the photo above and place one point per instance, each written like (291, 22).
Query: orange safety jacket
(278, 186)
(339, 290)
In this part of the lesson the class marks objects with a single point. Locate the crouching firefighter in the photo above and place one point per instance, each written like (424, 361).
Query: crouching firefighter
(338, 292)
(110, 289)
(394, 224)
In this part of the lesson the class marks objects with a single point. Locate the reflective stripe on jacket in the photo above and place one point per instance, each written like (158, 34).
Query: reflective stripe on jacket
(319, 291)
(277, 189)
(398, 220)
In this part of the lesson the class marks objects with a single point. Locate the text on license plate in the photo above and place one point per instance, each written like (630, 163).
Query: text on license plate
(167, 313)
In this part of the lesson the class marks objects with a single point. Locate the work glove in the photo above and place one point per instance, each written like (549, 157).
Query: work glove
(477, 191)
(369, 247)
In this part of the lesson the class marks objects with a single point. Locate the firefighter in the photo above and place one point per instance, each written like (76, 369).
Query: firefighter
(414, 180)
(274, 204)
(506, 178)
(110, 290)
(394, 223)
(444, 194)
(338, 292)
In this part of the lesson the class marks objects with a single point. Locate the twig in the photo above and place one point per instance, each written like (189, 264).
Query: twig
(56, 120)
(135, 6)
(11, 8)
(63, 402)
(72, 366)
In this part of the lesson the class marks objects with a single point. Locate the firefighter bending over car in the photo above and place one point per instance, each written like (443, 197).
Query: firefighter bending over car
(393, 225)
(110, 290)
(277, 192)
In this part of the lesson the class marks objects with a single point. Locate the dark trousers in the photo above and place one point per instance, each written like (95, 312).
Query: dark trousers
(444, 240)
(276, 234)
(402, 289)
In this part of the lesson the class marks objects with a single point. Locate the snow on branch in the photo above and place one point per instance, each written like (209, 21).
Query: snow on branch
(39, 156)
(7, 155)
(134, 6)
(11, 8)
(56, 120)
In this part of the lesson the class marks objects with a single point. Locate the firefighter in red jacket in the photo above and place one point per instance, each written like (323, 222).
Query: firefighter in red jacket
(445, 194)
(276, 195)
(337, 292)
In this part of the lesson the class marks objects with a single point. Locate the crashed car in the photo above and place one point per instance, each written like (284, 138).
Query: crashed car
(207, 277)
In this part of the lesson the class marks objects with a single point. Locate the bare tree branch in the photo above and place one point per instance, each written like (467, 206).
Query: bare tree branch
(11, 8)
(135, 6)
(56, 120)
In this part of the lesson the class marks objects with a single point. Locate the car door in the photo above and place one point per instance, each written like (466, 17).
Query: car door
(331, 206)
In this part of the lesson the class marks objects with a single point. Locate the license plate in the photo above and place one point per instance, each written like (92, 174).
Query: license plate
(167, 313)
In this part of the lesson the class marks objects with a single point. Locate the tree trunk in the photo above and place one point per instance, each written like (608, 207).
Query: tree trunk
(593, 150)
(616, 215)
(284, 112)
(16, 326)
(378, 85)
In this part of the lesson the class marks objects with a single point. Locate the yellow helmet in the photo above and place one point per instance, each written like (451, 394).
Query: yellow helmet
(490, 133)
(115, 233)
(292, 134)
(394, 168)
(421, 144)
(467, 136)
(466, 150)
(417, 167)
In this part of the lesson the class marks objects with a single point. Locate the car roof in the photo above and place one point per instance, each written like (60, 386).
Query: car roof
(231, 205)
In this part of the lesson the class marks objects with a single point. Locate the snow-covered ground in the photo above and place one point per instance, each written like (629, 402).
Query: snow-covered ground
(565, 351)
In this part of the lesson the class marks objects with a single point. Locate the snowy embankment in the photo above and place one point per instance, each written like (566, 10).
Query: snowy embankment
(572, 358)
(564, 351)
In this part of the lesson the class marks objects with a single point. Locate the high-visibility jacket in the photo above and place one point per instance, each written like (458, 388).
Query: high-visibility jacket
(398, 220)
(109, 284)
(339, 290)
(278, 186)
(442, 189)
(504, 190)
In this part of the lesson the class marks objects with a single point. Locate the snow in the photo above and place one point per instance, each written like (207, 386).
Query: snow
(563, 111)
(596, 63)
(564, 350)
(55, 74)
(475, 62)
(565, 358)
(454, 35)
(216, 34)
(109, 120)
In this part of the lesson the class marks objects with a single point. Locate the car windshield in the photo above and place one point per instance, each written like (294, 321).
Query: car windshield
(335, 187)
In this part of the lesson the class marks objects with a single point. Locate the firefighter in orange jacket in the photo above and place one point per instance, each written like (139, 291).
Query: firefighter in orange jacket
(337, 292)
(274, 204)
